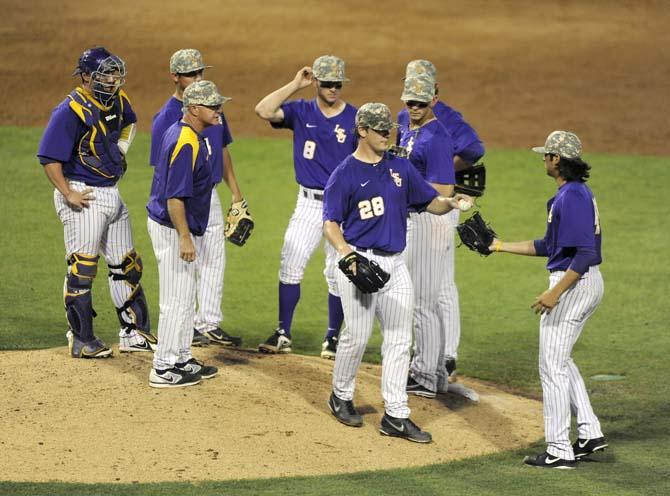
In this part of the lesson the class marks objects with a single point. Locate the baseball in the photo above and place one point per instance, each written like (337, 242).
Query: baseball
(464, 205)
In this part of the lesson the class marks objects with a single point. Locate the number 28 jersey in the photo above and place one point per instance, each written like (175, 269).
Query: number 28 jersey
(370, 202)
(320, 143)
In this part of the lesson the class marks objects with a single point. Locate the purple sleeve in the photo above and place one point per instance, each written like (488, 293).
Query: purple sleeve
(289, 116)
(576, 221)
(129, 116)
(440, 160)
(335, 197)
(540, 247)
(225, 132)
(583, 259)
(180, 174)
(419, 192)
(60, 136)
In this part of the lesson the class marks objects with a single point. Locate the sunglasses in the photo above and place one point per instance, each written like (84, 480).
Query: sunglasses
(383, 132)
(191, 74)
(331, 84)
(414, 103)
(214, 108)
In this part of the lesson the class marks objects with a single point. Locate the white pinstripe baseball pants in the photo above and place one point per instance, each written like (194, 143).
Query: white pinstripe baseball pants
(210, 264)
(102, 228)
(427, 242)
(177, 283)
(302, 237)
(562, 386)
(392, 305)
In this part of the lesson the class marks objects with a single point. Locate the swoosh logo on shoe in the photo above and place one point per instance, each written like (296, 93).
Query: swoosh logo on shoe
(549, 461)
(364, 184)
(400, 428)
(310, 125)
(583, 445)
(336, 407)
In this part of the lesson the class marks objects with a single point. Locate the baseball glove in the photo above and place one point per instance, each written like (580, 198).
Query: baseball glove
(471, 181)
(369, 276)
(476, 234)
(239, 223)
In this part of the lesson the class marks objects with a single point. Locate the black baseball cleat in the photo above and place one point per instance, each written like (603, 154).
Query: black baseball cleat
(196, 367)
(345, 411)
(219, 336)
(403, 428)
(329, 348)
(545, 460)
(278, 342)
(417, 389)
(450, 365)
(586, 447)
(199, 339)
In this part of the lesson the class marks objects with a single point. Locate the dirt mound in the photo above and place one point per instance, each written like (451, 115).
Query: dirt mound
(263, 416)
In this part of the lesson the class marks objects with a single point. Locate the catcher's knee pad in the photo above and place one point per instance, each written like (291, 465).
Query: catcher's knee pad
(134, 313)
(77, 294)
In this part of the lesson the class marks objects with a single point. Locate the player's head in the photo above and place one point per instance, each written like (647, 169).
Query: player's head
(328, 72)
(373, 126)
(562, 152)
(186, 67)
(202, 103)
(418, 93)
(101, 72)
(422, 68)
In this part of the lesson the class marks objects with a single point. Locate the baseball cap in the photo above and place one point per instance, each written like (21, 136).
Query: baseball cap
(186, 60)
(329, 68)
(420, 68)
(563, 143)
(203, 93)
(418, 89)
(375, 116)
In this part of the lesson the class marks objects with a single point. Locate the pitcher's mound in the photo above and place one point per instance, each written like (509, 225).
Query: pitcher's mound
(262, 416)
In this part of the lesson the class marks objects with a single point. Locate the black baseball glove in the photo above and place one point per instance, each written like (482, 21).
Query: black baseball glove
(471, 181)
(476, 234)
(369, 276)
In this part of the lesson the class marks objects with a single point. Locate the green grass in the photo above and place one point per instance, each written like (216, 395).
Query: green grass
(626, 336)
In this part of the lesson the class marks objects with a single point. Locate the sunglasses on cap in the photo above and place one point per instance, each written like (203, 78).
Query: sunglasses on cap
(414, 103)
(331, 84)
(191, 74)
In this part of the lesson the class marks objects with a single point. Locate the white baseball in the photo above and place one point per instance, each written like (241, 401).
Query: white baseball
(464, 205)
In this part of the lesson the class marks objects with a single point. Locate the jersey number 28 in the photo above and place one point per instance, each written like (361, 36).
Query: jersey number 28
(374, 207)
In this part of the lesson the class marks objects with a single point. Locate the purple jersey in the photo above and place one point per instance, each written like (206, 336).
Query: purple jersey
(83, 136)
(572, 222)
(463, 135)
(216, 136)
(371, 202)
(183, 171)
(320, 143)
(431, 151)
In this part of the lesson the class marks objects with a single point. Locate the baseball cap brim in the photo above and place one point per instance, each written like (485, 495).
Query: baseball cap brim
(539, 149)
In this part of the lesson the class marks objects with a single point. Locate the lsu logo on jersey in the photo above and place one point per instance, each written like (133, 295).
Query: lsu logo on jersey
(340, 134)
(410, 146)
(396, 178)
(551, 212)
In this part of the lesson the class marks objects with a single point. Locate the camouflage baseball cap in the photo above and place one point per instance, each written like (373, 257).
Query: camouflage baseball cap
(203, 93)
(563, 143)
(186, 60)
(376, 116)
(329, 68)
(420, 68)
(418, 89)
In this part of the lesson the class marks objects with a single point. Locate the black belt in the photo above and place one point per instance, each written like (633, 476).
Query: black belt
(316, 196)
(375, 251)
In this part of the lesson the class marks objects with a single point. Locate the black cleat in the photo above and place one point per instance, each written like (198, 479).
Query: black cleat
(417, 389)
(329, 348)
(545, 460)
(199, 339)
(450, 365)
(345, 411)
(403, 428)
(196, 367)
(278, 342)
(172, 378)
(219, 336)
(586, 447)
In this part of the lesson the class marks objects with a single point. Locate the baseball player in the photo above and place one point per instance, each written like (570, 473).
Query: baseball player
(430, 148)
(321, 139)
(365, 209)
(572, 245)
(468, 149)
(83, 151)
(186, 67)
(178, 210)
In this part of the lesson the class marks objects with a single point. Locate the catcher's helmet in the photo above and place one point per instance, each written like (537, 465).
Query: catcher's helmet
(107, 71)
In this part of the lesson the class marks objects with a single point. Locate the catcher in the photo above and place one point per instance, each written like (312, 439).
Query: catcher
(365, 209)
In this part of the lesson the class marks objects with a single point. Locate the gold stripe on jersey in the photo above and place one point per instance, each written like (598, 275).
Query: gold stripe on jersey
(187, 137)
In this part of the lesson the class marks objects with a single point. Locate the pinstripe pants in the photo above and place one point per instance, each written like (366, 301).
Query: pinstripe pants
(210, 266)
(392, 305)
(176, 300)
(563, 388)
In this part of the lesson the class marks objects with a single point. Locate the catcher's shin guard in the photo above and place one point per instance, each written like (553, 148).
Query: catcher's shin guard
(134, 313)
(77, 294)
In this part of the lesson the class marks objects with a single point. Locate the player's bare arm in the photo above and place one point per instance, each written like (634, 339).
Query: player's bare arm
(444, 189)
(443, 204)
(76, 199)
(269, 107)
(335, 237)
(549, 299)
(229, 176)
(177, 212)
(516, 247)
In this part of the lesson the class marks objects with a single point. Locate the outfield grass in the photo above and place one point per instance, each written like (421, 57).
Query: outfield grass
(626, 336)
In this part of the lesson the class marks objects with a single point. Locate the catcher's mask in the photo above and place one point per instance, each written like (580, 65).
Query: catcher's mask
(107, 72)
